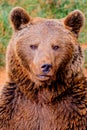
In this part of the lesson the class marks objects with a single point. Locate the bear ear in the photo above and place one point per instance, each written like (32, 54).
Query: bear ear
(74, 21)
(18, 18)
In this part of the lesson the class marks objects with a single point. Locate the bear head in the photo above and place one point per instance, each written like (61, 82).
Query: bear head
(42, 49)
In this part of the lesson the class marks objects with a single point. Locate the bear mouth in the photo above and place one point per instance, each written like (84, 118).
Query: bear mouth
(43, 77)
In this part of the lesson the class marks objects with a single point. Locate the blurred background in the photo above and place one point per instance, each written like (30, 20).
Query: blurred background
(41, 8)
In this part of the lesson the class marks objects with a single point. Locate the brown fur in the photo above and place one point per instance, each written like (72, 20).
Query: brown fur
(32, 99)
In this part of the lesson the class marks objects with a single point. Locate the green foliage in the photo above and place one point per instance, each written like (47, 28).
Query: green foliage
(41, 8)
(85, 58)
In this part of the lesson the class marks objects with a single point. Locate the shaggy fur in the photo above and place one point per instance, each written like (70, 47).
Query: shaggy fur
(35, 98)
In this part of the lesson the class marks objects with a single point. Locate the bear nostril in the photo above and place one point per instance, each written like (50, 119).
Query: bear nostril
(46, 67)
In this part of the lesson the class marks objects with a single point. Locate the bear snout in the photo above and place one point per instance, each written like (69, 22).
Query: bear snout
(46, 68)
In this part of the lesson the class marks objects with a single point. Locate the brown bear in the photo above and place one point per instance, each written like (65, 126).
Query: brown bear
(46, 88)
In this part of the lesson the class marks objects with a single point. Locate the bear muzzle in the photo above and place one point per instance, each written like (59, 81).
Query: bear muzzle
(46, 68)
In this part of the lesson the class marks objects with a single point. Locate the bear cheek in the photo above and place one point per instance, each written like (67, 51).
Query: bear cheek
(57, 63)
(60, 58)
(35, 66)
(24, 55)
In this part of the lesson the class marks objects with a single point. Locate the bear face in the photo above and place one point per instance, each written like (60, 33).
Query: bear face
(43, 46)
(40, 50)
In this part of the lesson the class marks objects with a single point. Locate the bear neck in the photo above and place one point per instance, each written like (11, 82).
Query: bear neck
(65, 80)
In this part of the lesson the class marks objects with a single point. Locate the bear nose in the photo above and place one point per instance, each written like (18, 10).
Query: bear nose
(46, 68)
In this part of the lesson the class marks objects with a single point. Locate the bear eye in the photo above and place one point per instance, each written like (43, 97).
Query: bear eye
(33, 47)
(55, 47)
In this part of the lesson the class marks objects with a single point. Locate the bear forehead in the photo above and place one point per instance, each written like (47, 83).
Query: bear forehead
(45, 29)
